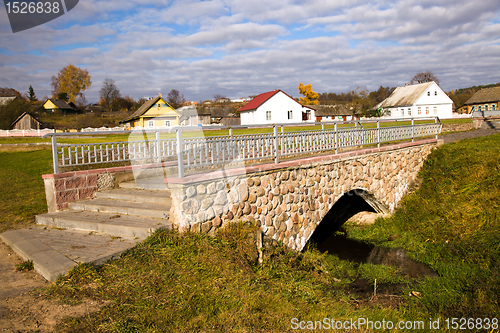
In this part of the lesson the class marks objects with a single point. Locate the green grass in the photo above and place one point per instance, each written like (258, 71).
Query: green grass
(23, 193)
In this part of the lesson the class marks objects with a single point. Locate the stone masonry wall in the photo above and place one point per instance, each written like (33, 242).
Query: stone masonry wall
(288, 203)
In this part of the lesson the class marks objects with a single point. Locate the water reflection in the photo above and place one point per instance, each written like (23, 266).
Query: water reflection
(361, 252)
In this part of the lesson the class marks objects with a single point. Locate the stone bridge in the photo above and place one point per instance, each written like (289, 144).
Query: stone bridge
(289, 200)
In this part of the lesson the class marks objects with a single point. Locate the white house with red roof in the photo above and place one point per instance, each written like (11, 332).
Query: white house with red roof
(274, 107)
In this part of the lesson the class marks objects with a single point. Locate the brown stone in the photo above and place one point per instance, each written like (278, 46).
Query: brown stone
(92, 181)
(270, 196)
(229, 215)
(264, 182)
(252, 198)
(285, 175)
(66, 196)
(256, 181)
(260, 191)
(205, 227)
(59, 185)
(216, 222)
(250, 182)
(201, 189)
(86, 193)
(247, 209)
(76, 182)
(283, 189)
(269, 220)
(253, 209)
(259, 210)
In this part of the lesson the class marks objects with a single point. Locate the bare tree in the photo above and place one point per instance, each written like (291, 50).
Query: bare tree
(81, 102)
(219, 97)
(423, 77)
(108, 94)
(175, 98)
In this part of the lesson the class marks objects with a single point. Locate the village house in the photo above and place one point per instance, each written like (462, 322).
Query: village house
(203, 115)
(275, 107)
(334, 113)
(484, 103)
(417, 101)
(60, 106)
(26, 122)
(155, 113)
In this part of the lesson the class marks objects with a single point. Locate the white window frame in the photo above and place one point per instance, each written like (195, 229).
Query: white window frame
(426, 110)
(435, 109)
(268, 115)
(409, 112)
(486, 107)
(493, 107)
(167, 123)
(290, 114)
(151, 123)
(428, 93)
(419, 110)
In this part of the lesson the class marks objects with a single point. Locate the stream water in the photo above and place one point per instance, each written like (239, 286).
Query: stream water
(361, 252)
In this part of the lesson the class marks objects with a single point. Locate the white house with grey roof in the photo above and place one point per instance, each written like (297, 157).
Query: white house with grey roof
(418, 101)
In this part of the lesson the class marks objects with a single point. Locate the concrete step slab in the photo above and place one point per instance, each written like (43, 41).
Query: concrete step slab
(123, 207)
(157, 184)
(54, 252)
(113, 224)
(137, 195)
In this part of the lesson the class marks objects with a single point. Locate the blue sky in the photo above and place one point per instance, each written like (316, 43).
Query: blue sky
(239, 48)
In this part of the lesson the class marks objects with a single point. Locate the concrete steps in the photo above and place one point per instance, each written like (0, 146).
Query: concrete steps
(143, 209)
(491, 124)
(93, 230)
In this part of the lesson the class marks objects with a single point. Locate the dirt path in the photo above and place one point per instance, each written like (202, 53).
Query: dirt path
(22, 308)
(452, 137)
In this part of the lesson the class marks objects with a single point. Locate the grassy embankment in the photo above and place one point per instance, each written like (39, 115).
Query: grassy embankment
(192, 282)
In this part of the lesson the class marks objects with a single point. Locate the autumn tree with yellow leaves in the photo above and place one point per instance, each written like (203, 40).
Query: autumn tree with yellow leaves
(310, 97)
(71, 80)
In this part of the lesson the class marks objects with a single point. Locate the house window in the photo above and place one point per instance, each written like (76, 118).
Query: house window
(435, 93)
(167, 123)
(308, 114)
(402, 112)
(409, 112)
(493, 107)
(268, 115)
(290, 116)
(435, 110)
(473, 108)
(151, 123)
(426, 110)
(419, 110)
(159, 104)
(428, 93)
(486, 107)
(479, 108)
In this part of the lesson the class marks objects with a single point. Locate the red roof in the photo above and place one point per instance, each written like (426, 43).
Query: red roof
(258, 100)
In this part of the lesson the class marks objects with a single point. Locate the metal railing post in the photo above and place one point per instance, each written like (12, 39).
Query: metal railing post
(158, 147)
(336, 139)
(378, 134)
(276, 153)
(230, 131)
(412, 129)
(435, 122)
(180, 163)
(55, 160)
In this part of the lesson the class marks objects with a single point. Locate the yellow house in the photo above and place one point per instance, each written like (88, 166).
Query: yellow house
(155, 113)
(57, 105)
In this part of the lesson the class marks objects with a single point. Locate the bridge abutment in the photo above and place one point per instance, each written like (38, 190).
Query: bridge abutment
(289, 200)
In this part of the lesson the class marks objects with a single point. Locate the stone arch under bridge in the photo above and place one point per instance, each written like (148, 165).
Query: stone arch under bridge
(288, 201)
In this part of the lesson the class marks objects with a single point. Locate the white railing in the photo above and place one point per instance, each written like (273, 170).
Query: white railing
(217, 151)
(29, 132)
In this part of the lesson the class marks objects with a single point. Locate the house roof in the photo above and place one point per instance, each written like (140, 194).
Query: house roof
(143, 109)
(485, 96)
(332, 110)
(60, 104)
(21, 116)
(407, 95)
(6, 100)
(262, 98)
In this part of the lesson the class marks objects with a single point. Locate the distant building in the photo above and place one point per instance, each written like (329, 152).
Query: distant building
(418, 101)
(26, 122)
(6, 100)
(484, 103)
(60, 106)
(333, 113)
(203, 115)
(154, 113)
(275, 107)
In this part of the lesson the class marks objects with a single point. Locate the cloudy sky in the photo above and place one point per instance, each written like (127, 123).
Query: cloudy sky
(239, 48)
